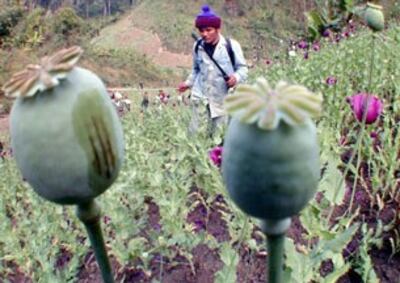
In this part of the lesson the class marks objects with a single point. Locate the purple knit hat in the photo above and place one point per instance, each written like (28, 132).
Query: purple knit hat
(207, 18)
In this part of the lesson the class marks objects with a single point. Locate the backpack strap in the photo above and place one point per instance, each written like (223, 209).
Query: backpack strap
(230, 52)
(228, 47)
(196, 48)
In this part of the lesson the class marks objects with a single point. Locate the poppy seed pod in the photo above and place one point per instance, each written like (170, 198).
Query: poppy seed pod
(270, 162)
(374, 17)
(65, 133)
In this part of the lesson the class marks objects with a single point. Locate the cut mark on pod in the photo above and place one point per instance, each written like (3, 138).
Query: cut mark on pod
(93, 128)
(96, 162)
(105, 153)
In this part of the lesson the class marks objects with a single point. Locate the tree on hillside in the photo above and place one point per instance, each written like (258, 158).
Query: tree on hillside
(85, 8)
(107, 8)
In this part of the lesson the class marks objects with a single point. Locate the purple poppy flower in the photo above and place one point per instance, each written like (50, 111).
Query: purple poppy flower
(302, 44)
(106, 219)
(358, 103)
(352, 26)
(326, 33)
(268, 62)
(373, 134)
(331, 80)
(343, 140)
(346, 34)
(316, 46)
(305, 55)
(215, 155)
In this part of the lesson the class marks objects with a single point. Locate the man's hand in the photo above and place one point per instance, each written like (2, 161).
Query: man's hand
(182, 87)
(231, 81)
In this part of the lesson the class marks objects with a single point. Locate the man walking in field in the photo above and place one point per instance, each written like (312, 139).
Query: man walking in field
(218, 65)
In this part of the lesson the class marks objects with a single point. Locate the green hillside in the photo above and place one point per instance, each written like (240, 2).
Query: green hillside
(251, 22)
(122, 46)
(262, 27)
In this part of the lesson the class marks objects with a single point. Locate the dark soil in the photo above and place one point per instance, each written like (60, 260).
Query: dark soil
(251, 267)
(208, 216)
(387, 265)
(205, 262)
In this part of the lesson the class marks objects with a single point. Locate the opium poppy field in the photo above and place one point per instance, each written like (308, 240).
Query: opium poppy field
(168, 217)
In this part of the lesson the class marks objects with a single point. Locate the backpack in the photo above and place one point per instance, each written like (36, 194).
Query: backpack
(228, 49)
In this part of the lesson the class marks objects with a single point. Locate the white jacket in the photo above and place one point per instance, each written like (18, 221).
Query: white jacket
(206, 80)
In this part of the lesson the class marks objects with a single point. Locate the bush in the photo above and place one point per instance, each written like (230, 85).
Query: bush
(66, 22)
(8, 19)
(31, 31)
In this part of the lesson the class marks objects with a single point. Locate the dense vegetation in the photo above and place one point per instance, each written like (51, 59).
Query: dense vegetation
(32, 29)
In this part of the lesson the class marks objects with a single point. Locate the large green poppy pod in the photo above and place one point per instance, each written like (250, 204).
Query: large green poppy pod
(65, 133)
(374, 17)
(270, 161)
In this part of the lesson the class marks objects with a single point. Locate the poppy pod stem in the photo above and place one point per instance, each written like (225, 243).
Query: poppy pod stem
(274, 231)
(366, 106)
(89, 214)
(371, 67)
(358, 145)
(371, 71)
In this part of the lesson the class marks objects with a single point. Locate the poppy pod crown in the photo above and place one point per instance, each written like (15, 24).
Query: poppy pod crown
(207, 18)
